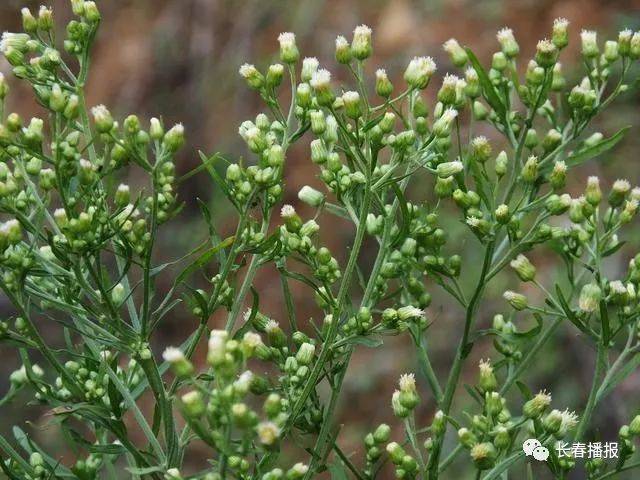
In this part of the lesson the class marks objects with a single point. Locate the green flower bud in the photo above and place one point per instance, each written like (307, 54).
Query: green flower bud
(480, 150)
(535, 407)
(516, 300)
(589, 44)
(634, 426)
(559, 34)
(553, 421)
(382, 433)
(590, 296)
(193, 404)
(502, 438)
(268, 433)
(593, 194)
(619, 192)
(174, 138)
(484, 455)
(321, 84)
(558, 204)
(311, 196)
(523, 267)
(361, 43)
(45, 19)
(179, 363)
(531, 139)
(611, 53)
(502, 161)
(305, 354)
(29, 22)
(252, 76)
(309, 67)
(442, 126)
(499, 61)
(558, 176)
(467, 438)
(102, 118)
(508, 42)
(487, 381)
(352, 104)
(419, 72)
(384, 87)
(288, 49)
(343, 50)
(439, 424)
(448, 169)
(502, 214)
(530, 169)
(456, 53)
(444, 187)
(480, 112)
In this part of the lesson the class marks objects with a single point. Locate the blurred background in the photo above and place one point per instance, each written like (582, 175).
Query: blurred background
(178, 59)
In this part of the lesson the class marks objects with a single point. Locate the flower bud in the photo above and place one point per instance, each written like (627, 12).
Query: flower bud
(480, 150)
(553, 421)
(611, 53)
(499, 61)
(516, 300)
(305, 354)
(456, 53)
(253, 77)
(311, 196)
(274, 76)
(559, 35)
(288, 49)
(484, 455)
(535, 407)
(45, 19)
(444, 187)
(419, 72)
(523, 267)
(384, 87)
(448, 169)
(634, 426)
(352, 105)
(193, 404)
(508, 42)
(589, 44)
(102, 118)
(179, 363)
(382, 433)
(487, 381)
(546, 53)
(619, 192)
(321, 84)
(29, 22)
(558, 204)
(467, 438)
(558, 176)
(593, 194)
(343, 50)
(502, 214)
(174, 138)
(442, 126)
(590, 297)
(268, 433)
(361, 43)
(396, 452)
(530, 169)
(309, 67)
(502, 161)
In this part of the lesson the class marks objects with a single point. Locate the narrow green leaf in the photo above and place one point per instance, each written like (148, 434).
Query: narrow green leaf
(488, 89)
(599, 148)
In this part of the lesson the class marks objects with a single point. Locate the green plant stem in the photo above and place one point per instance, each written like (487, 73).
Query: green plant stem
(601, 359)
(461, 352)
(531, 355)
(339, 307)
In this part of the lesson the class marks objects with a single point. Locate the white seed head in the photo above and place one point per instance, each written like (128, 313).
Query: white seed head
(407, 382)
(271, 326)
(560, 23)
(268, 433)
(341, 42)
(320, 79)
(287, 211)
(287, 39)
(172, 355)
(505, 35)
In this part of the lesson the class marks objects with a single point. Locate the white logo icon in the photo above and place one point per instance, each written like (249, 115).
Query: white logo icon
(532, 447)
